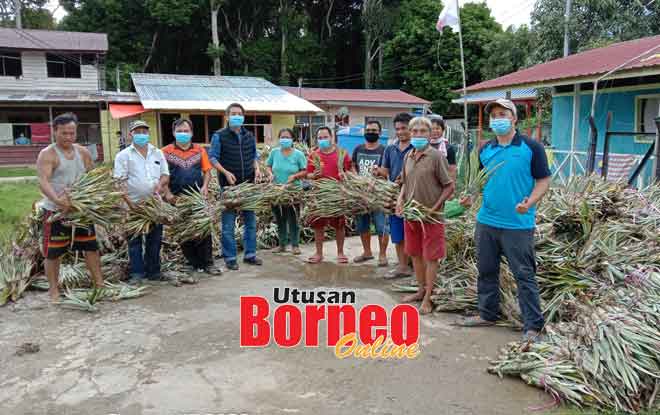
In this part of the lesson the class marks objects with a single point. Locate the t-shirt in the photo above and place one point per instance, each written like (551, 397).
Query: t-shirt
(514, 169)
(286, 165)
(329, 163)
(451, 152)
(425, 179)
(364, 159)
(393, 159)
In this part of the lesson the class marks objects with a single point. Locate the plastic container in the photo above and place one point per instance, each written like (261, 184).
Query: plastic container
(350, 137)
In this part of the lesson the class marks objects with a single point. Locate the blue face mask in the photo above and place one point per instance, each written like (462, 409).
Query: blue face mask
(140, 140)
(419, 142)
(500, 126)
(236, 120)
(324, 143)
(183, 138)
(286, 142)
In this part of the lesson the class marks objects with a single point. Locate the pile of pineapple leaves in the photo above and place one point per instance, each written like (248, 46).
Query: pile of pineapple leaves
(598, 256)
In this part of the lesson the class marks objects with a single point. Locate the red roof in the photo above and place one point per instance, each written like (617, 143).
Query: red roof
(592, 62)
(357, 95)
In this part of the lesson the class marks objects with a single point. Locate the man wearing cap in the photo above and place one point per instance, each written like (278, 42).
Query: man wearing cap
(519, 177)
(146, 172)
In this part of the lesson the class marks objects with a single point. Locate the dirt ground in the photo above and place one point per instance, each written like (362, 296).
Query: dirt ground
(176, 351)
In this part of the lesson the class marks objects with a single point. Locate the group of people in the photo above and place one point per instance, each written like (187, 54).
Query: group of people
(420, 159)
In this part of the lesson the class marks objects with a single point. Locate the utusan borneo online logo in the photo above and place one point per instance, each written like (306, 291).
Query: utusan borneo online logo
(301, 318)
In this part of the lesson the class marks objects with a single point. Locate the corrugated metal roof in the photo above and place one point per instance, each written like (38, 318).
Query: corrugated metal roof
(67, 96)
(394, 96)
(194, 92)
(54, 40)
(589, 63)
(492, 95)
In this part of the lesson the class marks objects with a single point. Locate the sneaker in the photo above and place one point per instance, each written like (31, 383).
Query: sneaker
(213, 270)
(187, 268)
(233, 266)
(135, 281)
(253, 261)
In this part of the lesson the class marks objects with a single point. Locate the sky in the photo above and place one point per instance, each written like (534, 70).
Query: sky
(506, 12)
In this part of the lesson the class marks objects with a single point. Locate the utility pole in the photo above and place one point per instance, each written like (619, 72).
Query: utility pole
(300, 84)
(118, 81)
(567, 18)
(17, 8)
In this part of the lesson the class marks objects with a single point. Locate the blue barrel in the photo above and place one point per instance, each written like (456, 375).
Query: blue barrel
(350, 137)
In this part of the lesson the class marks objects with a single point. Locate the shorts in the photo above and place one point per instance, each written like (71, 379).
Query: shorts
(363, 223)
(426, 240)
(396, 229)
(56, 239)
(322, 223)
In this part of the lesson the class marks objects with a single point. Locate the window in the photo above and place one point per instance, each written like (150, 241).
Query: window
(199, 128)
(10, 64)
(648, 108)
(63, 66)
(259, 125)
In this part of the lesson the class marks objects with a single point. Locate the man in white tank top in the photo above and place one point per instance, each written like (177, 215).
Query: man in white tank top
(58, 166)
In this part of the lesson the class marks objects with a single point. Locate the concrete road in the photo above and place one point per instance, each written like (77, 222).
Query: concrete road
(176, 351)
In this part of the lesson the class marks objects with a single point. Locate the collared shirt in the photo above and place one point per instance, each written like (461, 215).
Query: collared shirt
(329, 163)
(393, 159)
(425, 178)
(514, 170)
(142, 173)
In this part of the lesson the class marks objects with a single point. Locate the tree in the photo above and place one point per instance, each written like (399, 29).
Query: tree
(34, 14)
(508, 52)
(593, 23)
(374, 23)
(427, 63)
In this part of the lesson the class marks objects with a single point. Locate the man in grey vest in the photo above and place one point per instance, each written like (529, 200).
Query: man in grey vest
(234, 155)
(59, 166)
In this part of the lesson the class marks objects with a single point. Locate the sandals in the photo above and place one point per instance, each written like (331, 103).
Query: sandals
(362, 258)
(382, 262)
(342, 259)
(314, 259)
(295, 250)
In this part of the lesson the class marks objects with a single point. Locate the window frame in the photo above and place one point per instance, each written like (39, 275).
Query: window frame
(638, 118)
(65, 61)
(5, 55)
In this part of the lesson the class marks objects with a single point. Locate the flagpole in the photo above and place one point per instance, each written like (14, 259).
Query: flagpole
(465, 108)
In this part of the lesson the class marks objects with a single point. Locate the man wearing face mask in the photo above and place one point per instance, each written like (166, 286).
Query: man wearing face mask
(234, 155)
(426, 180)
(145, 170)
(190, 169)
(519, 177)
(366, 160)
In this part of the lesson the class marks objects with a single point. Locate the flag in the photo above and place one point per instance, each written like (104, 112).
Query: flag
(448, 16)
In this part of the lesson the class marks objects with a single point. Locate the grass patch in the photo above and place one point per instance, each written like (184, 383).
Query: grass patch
(17, 171)
(15, 203)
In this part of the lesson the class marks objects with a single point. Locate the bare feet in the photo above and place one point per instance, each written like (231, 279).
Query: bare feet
(54, 295)
(427, 306)
(418, 296)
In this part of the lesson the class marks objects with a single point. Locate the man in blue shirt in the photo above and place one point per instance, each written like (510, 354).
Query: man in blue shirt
(391, 167)
(234, 155)
(519, 178)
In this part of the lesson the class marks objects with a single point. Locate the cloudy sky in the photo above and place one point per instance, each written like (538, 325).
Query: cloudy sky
(506, 12)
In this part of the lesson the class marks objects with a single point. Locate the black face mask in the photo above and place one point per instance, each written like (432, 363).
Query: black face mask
(371, 137)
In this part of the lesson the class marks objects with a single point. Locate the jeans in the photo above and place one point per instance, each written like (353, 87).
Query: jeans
(147, 262)
(199, 253)
(518, 248)
(249, 236)
(288, 230)
(363, 223)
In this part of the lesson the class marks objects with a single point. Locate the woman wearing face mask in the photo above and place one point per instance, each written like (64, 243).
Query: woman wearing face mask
(332, 167)
(287, 165)
(424, 179)
(190, 169)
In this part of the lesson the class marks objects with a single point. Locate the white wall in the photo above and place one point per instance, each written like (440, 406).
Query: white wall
(35, 76)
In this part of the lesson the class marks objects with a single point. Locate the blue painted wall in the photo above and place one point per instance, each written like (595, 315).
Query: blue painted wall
(621, 104)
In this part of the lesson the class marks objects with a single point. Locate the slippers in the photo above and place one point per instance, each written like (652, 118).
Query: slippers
(342, 259)
(362, 258)
(396, 274)
(383, 262)
(314, 259)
